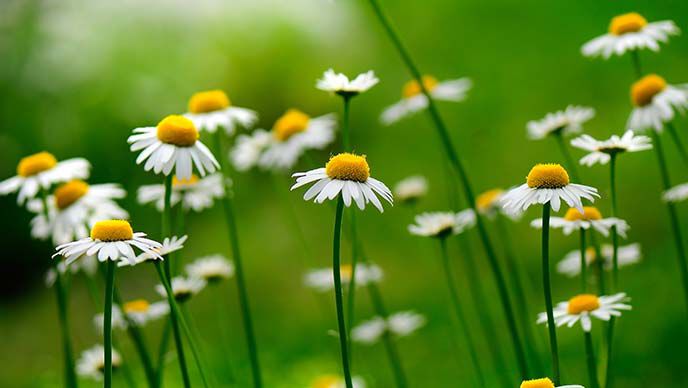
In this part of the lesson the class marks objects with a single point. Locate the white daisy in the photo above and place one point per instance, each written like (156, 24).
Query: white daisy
(399, 324)
(570, 265)
(545, 382)
(118, 320)
(168, 246)
(565, 122)
(211, 268)
(491, 202)
(140, 311)
(40, 171)
(340, 84)
(574, 221)
(404, 323)
(677, 193)
(655, 102)
(193, 193)
(410, 189)
(212, 109)
(602, 150)
(87, 265)
(582, 307)
(172, 143)
(248, 148)
(413, 100)
(109, 240)
(91, 364)
(322, 280)
(442, 224)
(630, 32)
(548, 183)
(183, 288)
(346, 173)
(334, 381)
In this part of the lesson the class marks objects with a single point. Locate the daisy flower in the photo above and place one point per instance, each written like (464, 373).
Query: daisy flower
(399, 324)
(91, 364)
(570, 265)
(87, 265)
(169, 245)
(212, 109)
(340, 84)
(490, 204)
(140, 311)
(575, 220)
(677, 193)
(409, 190)
(582, 307)
(109, 240)
(118, 320)
(194, 193)
(601, 151)
(629, 32)
(334, 381)
(248, 148)
(413, 99)
(183, 288)
(211, 268)
(563, 122)
(348, 174)
(548, 183)
(442, 224)
(544, 382)
(172, 144)
(40, 171)
(322, 280)
(655, 102)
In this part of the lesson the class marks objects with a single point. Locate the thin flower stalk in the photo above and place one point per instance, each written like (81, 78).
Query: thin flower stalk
(336, 266)
(590, 360)
(677, 140)
(107, 322)
(583, 261)
(548, 293)
(571, 164)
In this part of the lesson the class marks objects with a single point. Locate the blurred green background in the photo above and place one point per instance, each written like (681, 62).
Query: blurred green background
(77, 76)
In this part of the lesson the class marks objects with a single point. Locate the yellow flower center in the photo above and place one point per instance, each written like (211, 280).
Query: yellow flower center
(629, 22)
(36, 163)
(136, 306)
(538, 383)
(70, 192)
(547, 176)
(583, 302)
(184, 183)
(345, 270)
(291, 123)
(412, 88)
(177, 130)
(112, 230)
(646, 88)
(208, 101)
(590, 213)
(487, 199)
(326, 381)
(348, 167)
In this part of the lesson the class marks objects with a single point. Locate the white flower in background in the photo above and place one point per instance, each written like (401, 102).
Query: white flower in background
(544, 382)
(194, 193)
(212, 109)
(601, 150)
(183, 288)
(565, 122)
(168, 246)
(118, 320)
(405, 323)
(340, 84)
(334, 381)
(40, 171)
(570, 265)
(344, 173)
(442, 224)
(140, 311)
(630, 32)
(248, 148)
(211, 268)
(677, 193)
(410, 189)
(399, 324)
(582, 307)
(173, 143)
(491, 203)
(322, 280)
(87, 265)
(574, 220)
(91, 364)
(655, 102)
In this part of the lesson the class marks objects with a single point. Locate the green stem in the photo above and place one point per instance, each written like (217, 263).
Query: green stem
(196, 337)
(162, 352)
(175, 257)
(223, 324)
(583, 262)
(599, 265)
(610, 335)
(352, 282)
(635, 58)
(570, 163)
(548, 294)
(677, 141)
(63, 316)
(346, 132)
(336, 269)
(615, 234)
(107, 322)
(590, 360)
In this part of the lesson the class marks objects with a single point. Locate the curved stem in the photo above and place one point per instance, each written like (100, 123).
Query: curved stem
(548, 294)
(107, 322)
(677, 141)
(583, 262)
(336, 269)
(570, 163)
(590, 360)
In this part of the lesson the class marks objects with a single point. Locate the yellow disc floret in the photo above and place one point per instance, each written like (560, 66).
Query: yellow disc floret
(412, 88)
(292, 122)
(590, 213)
(646, 88)
(177, 130)
(327, 381)
(184, 183)
(68, 193)
(487, 199)
(345, 271)
(348, 167)
(583, 302)
(112, 230)
(629, 22)
(36, 163)
(136, 306)
(208, 101)
(548, 176)
(538, 383)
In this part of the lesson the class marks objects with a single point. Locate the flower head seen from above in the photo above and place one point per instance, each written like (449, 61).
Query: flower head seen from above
(678, 193)
(348, 174)
(169, 245)
(655, 102)
(544, 382)
(40, 171)
(194, 193)
(630, 32)
(565, 122)
(172, 144)
(575, 220)
(409, 190)
(322, 280)
(548, 183)
(442, 224)
(339, 83)
(413, 99)
(211, 268)
(582, 307)
(183, 288)
(570, 265)
(212, 109)
(399, 324)
(91, 364)
(601, 151)
(334, 381)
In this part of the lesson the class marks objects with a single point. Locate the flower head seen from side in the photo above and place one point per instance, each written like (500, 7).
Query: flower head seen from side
(583, 307)
(340, 84)
(630, 32)
(322, 280)
(212, 109)
(564, 122)
(575, 220)
(655, 102)
(399, 324)
(110, 240)
(248, 148)
(544, 382)
(548, 183)
(118, 320)
(194, 193)
(91, 364)
(678, 193)
(413, 99)
(140, 311)
(212, 268)
(40, 171)
(172, 144)
(442, 224)
(88, 265)
(183, 288)
(490, 204)
(348, 174)
(570, 265)
(601, 151)
(169, 245)
(411, 189)
(334, 381)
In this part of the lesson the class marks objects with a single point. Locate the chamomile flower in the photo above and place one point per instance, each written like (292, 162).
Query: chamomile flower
(322, 280)
(410, 189)
(677, 193)
(601, 151)
(490, 204)
(194, 193)
(334, 381)
(211, 268)
(442, 224)
(172, 144)
(575, 220)
(40, 171)
(544, 382)
(248, 148)
(413, 99)
(570, 265)
(655, 102)
(348, 174)
(140, 311)
(399, 324)
(183, 288)
(339, 83)
(564, 122)
(582, 307)
(169, 245)
(548, 183)
(118, 320)
(88, 265)
(91, 364)
(212, 109)
(629, 32)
